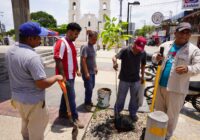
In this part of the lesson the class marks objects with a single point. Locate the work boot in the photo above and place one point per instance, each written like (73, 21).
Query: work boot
(79, 124)
(89, 107)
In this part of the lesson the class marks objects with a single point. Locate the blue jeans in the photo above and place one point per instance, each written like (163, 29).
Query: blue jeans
(71, 98)
(121, 97)
(89, 86)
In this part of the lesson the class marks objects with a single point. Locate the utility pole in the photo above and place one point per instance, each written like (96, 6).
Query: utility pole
(21, 14)
(130, 3)
(1, 15)
(120, 12)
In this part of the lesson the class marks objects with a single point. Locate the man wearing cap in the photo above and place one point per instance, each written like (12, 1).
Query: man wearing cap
(65, 56)
(133, 59)
(181, 60)
(28, 81)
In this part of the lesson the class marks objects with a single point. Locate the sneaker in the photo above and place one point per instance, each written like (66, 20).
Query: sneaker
(78, 124)
(91, 104)
(134, 118)
(88, 108)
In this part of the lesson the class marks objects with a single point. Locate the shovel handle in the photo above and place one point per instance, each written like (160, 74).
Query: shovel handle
(63, 86)
(64, 89)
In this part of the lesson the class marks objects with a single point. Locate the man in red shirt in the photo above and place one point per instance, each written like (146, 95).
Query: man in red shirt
(66, 65)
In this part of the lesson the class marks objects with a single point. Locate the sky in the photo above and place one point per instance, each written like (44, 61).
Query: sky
(140, 14)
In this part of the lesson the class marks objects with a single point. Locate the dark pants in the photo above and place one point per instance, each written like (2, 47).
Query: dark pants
(121, 97)
(71, 98)
(89, 86)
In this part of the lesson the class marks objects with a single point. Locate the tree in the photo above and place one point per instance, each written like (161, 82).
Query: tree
(10, 32)
(145, 29)
(112, 34)
(62, 26)
(61, 29)
(45, 19)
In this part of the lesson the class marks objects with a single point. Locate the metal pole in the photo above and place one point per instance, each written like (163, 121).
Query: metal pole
(120, 13)
(98, 33)
(128, 16)
(127, 22)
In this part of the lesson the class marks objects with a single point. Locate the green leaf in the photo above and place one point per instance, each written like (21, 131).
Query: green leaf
(106, 17)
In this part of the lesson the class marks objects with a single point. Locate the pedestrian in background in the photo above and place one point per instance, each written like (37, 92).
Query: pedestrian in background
(181, 60)
(133, 59)
(89, 68)
(28, 81)
(65, 56)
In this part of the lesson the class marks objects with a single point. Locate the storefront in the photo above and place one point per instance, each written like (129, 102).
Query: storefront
(194, 20)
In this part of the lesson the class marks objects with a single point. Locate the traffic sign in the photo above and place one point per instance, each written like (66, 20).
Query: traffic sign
(157, 18)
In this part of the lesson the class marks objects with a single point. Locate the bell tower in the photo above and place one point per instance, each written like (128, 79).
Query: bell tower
(104, 8)
(74, 10)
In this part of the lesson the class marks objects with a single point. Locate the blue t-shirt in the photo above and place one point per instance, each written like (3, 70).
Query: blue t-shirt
(170, 59)
(24, 68)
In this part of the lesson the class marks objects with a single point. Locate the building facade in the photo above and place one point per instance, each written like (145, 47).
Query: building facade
(87, 21)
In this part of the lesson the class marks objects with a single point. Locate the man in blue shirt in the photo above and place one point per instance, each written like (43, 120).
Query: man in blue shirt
(28, 81)
(181, 60)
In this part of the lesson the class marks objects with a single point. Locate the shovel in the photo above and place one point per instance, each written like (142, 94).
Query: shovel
(75, 127)
(157, 80)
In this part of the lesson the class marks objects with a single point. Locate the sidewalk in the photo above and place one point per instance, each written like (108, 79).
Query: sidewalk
(56, 129)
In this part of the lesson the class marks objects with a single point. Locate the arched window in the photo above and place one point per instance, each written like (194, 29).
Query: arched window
(74, 5)
(104, 6)
(89, 23)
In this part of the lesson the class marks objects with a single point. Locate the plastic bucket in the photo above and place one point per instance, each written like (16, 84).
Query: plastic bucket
(103, 97)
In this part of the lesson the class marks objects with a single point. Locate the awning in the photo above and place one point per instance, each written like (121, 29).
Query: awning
(48, 32)
(192, 14)
(180, 15)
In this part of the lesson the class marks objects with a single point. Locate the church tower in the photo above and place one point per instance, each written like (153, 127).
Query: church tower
(74, 11)
(104, 8)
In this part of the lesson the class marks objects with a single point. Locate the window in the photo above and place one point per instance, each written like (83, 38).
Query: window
(104, 6)
(89, 24)
(74, 6)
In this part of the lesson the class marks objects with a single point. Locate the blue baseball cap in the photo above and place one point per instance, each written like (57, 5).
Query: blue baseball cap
(32, 29)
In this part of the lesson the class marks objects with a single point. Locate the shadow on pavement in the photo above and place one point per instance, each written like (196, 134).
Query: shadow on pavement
(191, 112)
(81, 109)
(5, 93)
(59, 124)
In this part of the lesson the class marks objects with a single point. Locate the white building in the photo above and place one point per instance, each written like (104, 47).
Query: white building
(88, 21)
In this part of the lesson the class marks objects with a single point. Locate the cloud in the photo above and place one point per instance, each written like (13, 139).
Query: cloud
(6, 13)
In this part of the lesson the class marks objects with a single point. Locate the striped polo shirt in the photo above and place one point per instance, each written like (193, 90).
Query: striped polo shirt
(66, 51)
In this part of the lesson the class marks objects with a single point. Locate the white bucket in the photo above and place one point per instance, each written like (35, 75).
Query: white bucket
(103, 97)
